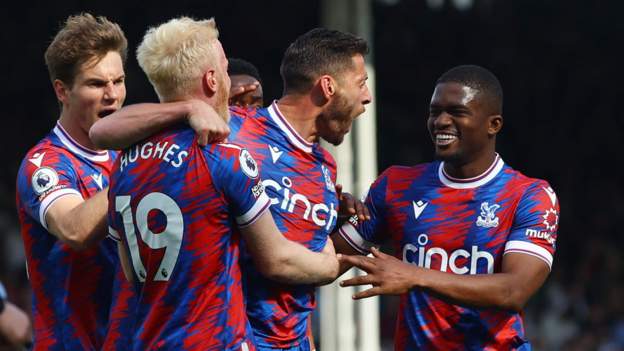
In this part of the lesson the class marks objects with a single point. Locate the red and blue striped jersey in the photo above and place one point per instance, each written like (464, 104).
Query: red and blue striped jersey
(71, 289)
(459, 227)
(176, 207)
(120, 331)
(299, 179)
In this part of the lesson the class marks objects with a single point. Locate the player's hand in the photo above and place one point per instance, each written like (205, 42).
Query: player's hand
(387, 274)
(350, 206)
(208, 125)
(237, 92)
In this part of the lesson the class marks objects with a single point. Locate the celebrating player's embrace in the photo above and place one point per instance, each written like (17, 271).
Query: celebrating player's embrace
(222, 243)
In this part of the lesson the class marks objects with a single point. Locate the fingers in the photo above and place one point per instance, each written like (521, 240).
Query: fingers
(361, 262)
(377, 253)
(338, 188)
(361, 210)
(359, 280)
(209, 132)
(374, 291)
(202, 139)
(236, 91)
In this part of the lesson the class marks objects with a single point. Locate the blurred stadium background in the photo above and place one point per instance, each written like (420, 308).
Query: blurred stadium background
(559, 64)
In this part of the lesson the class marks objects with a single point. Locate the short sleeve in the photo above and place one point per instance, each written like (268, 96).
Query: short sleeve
(237, 175)
(43, 178)
(362, 235)
(536, 222)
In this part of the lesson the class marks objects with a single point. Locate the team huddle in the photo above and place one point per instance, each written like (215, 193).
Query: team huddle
(214, 224)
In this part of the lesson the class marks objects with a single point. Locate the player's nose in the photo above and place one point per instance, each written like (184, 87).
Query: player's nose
(442, 120)
(367, 97)
(110, 91)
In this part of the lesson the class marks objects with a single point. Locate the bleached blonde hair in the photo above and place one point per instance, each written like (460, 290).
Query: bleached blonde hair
(176, 54)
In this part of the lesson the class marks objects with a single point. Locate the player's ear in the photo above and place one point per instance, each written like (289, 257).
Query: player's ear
(61, 90)
(209, 82)
(495, 124)
(328, 86)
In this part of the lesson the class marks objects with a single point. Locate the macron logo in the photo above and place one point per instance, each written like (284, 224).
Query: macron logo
(275, 153)
(98, 179)
(551, 194)
(418, 208)
(37, 158)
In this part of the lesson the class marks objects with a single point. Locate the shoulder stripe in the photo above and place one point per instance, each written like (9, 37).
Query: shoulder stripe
(262, 204)
(50, 199)
(528, 248)
(230, 146)
(353, 237)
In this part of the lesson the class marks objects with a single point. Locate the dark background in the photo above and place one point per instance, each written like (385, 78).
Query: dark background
(560, 66)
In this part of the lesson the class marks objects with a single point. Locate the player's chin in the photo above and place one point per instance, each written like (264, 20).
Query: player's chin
(335, 139)
(445, 153)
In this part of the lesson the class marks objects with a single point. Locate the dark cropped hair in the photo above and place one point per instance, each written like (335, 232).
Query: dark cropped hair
(480, 79)
(318, 52)
(240, 66)
(81, 39)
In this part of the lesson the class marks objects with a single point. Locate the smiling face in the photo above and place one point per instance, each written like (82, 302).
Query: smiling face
(98, 90)
(461, 128)
(348, 103)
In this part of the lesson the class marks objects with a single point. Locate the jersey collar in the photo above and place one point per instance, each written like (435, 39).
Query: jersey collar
(288, 130)
(73, 146)
(469, 183)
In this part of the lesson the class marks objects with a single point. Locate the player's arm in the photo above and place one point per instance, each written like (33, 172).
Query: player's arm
(77, 222)
(525, 264)
(136, 122)
(521, 275)
(286, 261)
(15, 327)
(126, 266)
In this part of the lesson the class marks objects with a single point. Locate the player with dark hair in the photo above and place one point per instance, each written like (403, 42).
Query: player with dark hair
(60, 198)
(324, 92)
(474, 239)
(244, 74)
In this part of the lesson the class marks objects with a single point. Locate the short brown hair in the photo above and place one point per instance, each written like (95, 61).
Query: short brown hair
(81, 39)
(318, 52)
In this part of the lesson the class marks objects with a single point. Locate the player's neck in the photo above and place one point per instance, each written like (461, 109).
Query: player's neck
(75, 131)
(301, 113)
(470, 169)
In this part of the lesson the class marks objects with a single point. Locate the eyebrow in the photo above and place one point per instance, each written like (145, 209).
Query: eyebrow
(100, 79)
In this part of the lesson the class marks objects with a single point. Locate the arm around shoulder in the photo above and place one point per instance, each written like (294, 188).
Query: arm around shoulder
(137, 122)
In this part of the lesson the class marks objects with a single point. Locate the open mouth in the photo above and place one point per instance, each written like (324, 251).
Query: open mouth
(444, 139)
(105, 113)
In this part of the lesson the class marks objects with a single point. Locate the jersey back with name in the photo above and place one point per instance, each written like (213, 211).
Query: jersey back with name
(175, 206)
(71, 289)
(298, 177)
(458, 227)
